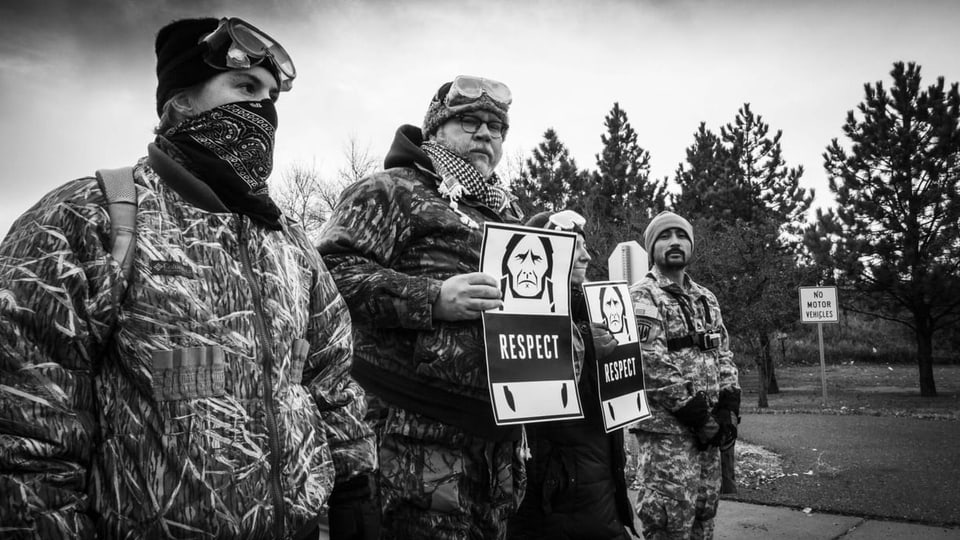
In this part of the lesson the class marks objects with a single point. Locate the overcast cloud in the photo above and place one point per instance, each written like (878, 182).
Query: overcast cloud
(77, 77)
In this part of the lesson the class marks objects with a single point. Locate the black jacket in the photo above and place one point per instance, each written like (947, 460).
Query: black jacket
(576, 488)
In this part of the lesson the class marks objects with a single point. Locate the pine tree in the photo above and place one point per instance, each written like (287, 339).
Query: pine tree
(894, 236)
(742, 175)
(706, 169)
(620, 198)
(773, 188)
(755, 284)
(550, 174)
(526, 192)
(741, 193)
(623, 189)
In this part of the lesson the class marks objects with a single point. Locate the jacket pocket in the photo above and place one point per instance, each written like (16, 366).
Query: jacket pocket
(559, 479)
(189, 373)
(449, 353)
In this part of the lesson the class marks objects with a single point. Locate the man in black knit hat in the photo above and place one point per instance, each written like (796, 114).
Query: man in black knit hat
(182, 371)
(404, 248)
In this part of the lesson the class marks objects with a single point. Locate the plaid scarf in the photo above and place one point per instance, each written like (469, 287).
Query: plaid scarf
(460, 178)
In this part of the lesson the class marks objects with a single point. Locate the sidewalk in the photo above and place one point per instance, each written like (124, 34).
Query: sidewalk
(744, 521)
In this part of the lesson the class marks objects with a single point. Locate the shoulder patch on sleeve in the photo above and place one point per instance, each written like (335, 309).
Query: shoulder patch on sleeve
(649, 312)
(647, 330)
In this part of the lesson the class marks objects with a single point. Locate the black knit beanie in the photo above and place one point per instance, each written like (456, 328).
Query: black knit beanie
(180, 61)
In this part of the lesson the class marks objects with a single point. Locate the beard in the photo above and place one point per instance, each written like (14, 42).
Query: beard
(674, 264)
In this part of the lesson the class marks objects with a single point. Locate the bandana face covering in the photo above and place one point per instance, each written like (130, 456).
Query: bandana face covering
(230, 148)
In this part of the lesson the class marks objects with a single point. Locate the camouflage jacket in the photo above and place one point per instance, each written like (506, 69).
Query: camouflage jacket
(390, 243)
(674, 374)
(214, 402)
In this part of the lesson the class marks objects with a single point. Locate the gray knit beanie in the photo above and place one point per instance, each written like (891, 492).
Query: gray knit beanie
(663, 221)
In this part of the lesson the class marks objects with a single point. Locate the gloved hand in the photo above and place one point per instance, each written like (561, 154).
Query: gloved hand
(730, 399)
(727, 435)
(695, 414)
(603, 341)
(708, 435)
(727, 414)
(354, 513)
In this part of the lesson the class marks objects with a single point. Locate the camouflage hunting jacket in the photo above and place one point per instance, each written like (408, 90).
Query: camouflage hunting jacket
(390, 243)
(214, 402)
(675, 368)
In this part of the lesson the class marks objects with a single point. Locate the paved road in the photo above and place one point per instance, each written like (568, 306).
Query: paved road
(743, 521)
(891, 468)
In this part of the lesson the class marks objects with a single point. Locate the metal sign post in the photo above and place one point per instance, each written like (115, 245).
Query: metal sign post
(820, 305)
(823, 363)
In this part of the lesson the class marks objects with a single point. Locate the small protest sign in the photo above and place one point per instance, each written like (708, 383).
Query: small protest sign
(620, 373)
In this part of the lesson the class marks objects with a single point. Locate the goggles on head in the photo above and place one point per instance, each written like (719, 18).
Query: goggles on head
(567, 220)
(237, 44)
(466, 89)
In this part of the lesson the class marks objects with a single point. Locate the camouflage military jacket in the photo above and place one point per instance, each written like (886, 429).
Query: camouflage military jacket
(390, 243)
(215, 402)
(674, 376)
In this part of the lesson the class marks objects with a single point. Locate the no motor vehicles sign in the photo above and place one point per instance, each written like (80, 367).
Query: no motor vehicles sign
(819, 305)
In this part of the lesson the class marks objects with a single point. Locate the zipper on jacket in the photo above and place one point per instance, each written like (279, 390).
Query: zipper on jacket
(260, 328)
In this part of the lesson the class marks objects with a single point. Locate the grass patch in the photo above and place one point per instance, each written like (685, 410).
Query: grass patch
(852, 388)
(856, 338)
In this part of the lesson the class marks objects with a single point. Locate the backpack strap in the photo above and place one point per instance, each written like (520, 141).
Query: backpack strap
(121, 193)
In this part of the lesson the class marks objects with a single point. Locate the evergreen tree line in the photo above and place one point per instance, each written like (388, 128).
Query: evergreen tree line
(891, 244)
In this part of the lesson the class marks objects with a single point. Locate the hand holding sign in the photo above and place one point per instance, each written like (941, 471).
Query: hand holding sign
(465, 296)
(603, 341)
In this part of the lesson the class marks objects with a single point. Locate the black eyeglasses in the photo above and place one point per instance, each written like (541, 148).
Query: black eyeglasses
(471, 124)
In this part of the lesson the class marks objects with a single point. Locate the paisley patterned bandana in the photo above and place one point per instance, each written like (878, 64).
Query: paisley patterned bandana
(230, 148)
(460, 177)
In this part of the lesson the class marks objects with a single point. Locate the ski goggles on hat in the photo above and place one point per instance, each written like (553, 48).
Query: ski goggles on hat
(466, 89)
(248, 47)
(567, 220)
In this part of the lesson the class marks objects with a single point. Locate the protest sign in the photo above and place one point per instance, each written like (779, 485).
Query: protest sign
(620, 373)
(529, 342)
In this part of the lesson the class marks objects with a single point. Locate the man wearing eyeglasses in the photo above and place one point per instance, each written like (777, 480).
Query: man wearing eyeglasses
(404, 248)
(204, 392)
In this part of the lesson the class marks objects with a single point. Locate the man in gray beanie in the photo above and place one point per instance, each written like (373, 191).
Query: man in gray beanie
(181, 369)
(404, 248)
(692, 386)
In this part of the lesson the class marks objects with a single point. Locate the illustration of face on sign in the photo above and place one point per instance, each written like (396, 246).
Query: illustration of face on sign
(615, 314)
(527, 274)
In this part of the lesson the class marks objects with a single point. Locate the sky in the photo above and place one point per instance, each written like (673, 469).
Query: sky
(77, 77)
